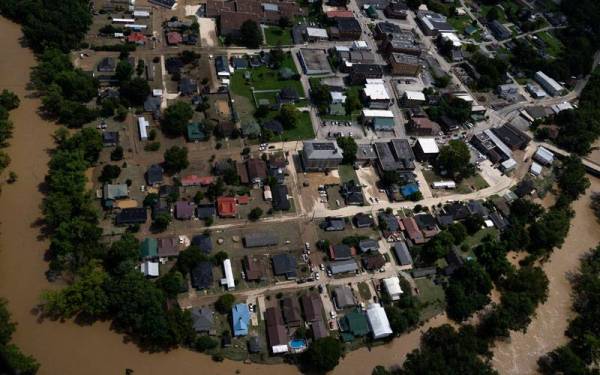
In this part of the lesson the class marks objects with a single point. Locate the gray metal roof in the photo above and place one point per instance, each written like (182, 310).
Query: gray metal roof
(402, 253)
(322, 150)
(259, 239)
(343, 266)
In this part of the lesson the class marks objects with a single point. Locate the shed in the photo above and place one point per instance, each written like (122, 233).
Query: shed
(150, 269)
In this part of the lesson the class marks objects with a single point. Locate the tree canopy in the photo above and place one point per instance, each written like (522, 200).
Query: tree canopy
(176, 159)
(176, 118)
(323, 354)
(454, 159)
(349, 149)
(250, 35)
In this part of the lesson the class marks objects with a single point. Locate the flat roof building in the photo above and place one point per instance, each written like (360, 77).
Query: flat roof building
(549, 84)
(320, 155)
(314, 61)
(378, 321)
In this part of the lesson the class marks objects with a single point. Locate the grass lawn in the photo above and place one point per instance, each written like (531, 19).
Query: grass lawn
(303, 129)
(276, 36)
(432, 298)
(474, 240)
(347, 173)
(270, 96)
(554, 46)
(468, 185)
(460, 23)
(364, 291)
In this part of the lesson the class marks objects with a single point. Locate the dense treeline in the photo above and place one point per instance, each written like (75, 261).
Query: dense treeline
(12, 360)
(8, 102)
(58, 24)
(579, 128)
(581, 354)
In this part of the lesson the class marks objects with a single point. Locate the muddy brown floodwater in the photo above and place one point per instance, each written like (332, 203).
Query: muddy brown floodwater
(519, 355)
(66, 348)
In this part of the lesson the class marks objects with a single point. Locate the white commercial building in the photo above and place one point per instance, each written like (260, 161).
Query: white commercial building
(392, 287)
(376, 91)
(141, 14)
(123, 20)
(314, 33)
(453, 38)
(228, 281)
(360, 45)
(374, 113)
(378, 321)
(549, 84)
(143, 127)
(414, 95)
(428, 145)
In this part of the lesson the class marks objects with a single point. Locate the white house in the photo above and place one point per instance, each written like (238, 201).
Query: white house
(378, 321)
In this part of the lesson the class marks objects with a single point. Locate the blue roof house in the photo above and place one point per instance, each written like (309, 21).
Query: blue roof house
(241, 317)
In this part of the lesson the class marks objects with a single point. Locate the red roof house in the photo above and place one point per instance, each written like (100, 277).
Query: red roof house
(226, 206)
(174, 38)
(412, 230)
(136, 37)
(193, 180)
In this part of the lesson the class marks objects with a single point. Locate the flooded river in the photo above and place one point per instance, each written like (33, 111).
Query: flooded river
(65, 348)
(546, 331)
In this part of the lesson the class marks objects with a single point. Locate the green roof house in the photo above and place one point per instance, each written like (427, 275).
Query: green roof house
(470, 30)
(195, 132)
(355, 323)
(149, 248)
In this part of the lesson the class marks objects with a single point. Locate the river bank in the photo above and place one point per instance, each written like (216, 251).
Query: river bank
(519, 355)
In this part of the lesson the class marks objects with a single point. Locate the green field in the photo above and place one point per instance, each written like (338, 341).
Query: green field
(554, 46)
(466, 186)
(303, 129)
(277, 36)
(431, 297)
(460, 23)
(347, 173)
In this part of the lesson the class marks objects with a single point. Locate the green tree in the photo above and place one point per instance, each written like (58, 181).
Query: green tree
(109, 173)
(172, 283)
(255, 214)
(321, 96)
(176, 118)
(349, 149)
(323, 354)
(352, 102)
(124, 71)
(572, 179)
(250, 35)
(454, 158)
(205, 343)
(9, 100)
(135, 90)
(161, 221)
(176, 159)
(116, 154)
(458, 232)
(467, 291)
(288, 116)
(225, 303)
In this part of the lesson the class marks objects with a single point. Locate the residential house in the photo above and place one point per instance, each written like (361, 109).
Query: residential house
(352, 193)
(252, 269)
(514, 138)
(500, 31)
(287, 95)
(402, 254)
(319, 330)
(202, 242)
(257, 170)
(184, 210)
(150, 269)
(368, 245)
(226, 207)
(392, 287)
(154, 175)
(332, 224)
(343, 297)
(260, 239)
(397, 10)
(195, 132)
(202, 276)
(203, 320)
(343, 266)
(422, 126)
(110, 139)
(354, 324)
(373, 262)
(187, 86)
(206, 211)
(312, 306)
(280, 198)
(274, 126)
(427, 224)
(432, 23)
(291, 312)
(276, 332)
(455, 261)
(412, 230)
(391, 225)
(378, 321)
(161, 207)
(148, 248)
(284, 265)
(362, 220)
(240, 316)
(340, 252)
(107, 65)
(134, 215)
(167, 247)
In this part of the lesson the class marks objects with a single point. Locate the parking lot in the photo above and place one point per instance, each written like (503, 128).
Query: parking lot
(334, 128)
